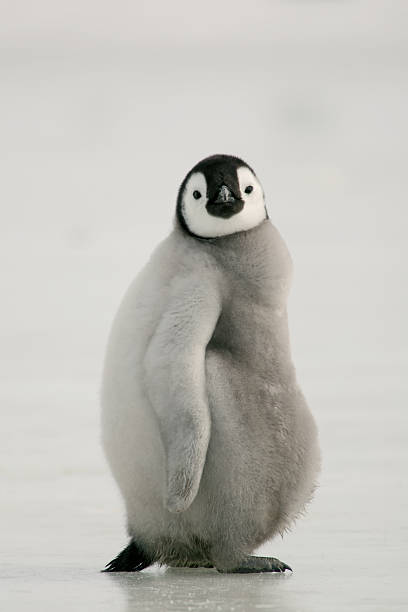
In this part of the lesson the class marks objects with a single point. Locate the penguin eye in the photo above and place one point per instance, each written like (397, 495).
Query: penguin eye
(196, 195)
(249, 189)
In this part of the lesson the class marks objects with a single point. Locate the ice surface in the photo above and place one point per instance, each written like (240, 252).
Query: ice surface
(62, 517)
(98, 128)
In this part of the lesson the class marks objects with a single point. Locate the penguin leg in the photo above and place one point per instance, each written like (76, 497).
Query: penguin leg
(193, 552)
(253, 564)
(131, 559)
(191, 564)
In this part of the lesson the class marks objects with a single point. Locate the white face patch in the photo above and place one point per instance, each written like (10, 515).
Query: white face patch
(202, 223)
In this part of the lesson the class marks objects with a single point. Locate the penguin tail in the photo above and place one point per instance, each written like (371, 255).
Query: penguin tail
(131, 559)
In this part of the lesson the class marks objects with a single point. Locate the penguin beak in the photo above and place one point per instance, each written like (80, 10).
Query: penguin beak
(224, 196)
(224, 204)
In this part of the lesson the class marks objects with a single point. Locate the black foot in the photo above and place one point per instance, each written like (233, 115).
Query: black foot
(257, 565)
(131, 559)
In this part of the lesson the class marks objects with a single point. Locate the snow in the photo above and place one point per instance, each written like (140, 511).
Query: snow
(97, 132)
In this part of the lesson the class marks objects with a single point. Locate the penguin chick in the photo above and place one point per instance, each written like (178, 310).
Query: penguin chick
(204, 426)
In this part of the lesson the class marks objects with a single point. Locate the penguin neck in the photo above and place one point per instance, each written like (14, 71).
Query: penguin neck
(258, 254)
(228, 242)
(241, 243)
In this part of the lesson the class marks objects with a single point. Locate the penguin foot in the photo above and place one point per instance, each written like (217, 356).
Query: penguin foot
(131, 559)
(257, 565)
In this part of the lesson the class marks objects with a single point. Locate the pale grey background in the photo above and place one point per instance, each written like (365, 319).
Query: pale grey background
(104, 107)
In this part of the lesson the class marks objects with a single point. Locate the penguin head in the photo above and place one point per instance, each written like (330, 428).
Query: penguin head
(221, 195)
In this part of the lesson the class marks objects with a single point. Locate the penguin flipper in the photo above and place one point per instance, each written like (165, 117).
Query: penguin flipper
(131, 559)
(175, 375)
